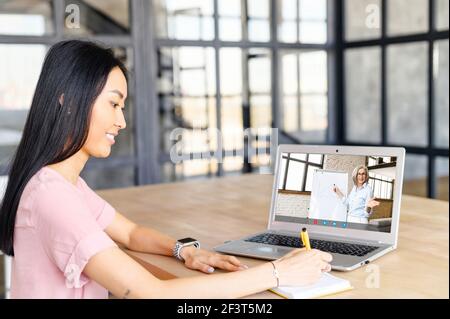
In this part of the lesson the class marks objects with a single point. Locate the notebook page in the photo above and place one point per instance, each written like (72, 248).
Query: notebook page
(328, 284)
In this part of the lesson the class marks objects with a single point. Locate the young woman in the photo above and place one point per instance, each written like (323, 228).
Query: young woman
(63, 236)
(360, 201)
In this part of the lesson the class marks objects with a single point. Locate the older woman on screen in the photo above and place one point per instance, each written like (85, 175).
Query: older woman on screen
(360, 201)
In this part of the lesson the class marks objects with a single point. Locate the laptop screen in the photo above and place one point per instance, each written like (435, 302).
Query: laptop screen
(332, 190)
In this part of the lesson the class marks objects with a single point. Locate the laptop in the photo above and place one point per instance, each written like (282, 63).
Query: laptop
(347, 197)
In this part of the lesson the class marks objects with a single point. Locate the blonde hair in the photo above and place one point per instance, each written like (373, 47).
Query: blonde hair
(355, 173)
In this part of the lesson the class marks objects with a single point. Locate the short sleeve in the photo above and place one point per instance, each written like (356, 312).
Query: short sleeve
(69, 234)
(103, 212)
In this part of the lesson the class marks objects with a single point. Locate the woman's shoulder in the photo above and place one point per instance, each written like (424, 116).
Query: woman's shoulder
(42, 189)
(46, 180)
(43, 185)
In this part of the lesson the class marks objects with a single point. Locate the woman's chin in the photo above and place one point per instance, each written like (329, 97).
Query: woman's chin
(104, 153)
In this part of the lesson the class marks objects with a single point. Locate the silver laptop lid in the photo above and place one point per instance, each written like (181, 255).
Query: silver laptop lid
(305, 191)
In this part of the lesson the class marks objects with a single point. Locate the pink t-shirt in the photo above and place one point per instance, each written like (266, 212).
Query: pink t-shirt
(59, 226)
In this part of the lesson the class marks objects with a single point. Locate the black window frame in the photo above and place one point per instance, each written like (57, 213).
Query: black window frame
(430, 37)
(148, 161)
(307, 164)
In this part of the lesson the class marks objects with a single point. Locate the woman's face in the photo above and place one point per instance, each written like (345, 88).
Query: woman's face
(361, 177)
(107, 117)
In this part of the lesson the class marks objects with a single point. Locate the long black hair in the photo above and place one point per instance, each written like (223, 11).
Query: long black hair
(73, 75)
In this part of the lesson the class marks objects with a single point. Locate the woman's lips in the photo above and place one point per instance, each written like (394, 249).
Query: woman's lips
(111, 138)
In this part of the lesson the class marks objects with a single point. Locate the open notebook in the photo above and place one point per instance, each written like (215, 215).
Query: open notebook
(327, 285)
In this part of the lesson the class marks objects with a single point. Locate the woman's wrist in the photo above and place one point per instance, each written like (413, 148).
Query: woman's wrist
(186, 252)
(275, 274)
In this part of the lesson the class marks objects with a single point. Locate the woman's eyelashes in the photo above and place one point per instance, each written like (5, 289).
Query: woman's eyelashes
(114, 105)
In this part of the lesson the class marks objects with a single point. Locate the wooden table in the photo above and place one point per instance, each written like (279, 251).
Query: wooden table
(217, 210)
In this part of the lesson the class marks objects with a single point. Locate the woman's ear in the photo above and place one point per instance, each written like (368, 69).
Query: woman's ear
(61, 99)
(61, 102)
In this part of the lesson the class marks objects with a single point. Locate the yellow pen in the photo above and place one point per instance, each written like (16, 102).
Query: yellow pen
(305, 239)
(302, 238)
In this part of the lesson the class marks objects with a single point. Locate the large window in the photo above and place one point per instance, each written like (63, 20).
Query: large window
(27, 30)
(26, 18)
(304, 94)
(210, 78)
(218, 75)
(395, 71)
(303, 21)
(97, 17)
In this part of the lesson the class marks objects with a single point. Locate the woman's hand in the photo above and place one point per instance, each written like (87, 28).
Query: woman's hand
(207, 261)
(372, 203)
(302, 267)
(337, 191)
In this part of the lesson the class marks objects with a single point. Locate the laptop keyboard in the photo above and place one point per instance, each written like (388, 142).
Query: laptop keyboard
(327, 246)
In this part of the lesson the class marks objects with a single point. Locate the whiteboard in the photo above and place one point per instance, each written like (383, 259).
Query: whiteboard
(325, 204)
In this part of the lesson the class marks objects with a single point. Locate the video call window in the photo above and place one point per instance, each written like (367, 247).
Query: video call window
(334, 190)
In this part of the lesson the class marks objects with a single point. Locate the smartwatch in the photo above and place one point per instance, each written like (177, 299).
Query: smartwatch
(181, 243)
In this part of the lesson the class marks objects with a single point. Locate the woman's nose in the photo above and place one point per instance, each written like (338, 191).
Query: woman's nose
(120, 121)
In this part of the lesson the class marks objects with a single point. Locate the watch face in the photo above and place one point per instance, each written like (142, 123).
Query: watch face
(187, 240)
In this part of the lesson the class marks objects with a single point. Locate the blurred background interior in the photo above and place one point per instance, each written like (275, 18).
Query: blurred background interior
(353, 72)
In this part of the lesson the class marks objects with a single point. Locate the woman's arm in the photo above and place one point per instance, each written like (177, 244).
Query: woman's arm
(339, 193)
(370, 202)
(147, 240)
(138, 238)
(125, 278)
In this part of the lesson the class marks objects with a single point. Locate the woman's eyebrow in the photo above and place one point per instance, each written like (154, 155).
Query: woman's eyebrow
(120, 94)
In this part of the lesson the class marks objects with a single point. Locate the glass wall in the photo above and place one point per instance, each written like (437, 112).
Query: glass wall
(304, 88)
(216, 75)
(184, 19)
(362, 19)
(363, 94)
(407, 71)
(396, 84)
(97, 17)
(22, 17)
(27, 29)
(303, 21)
(215, 86)
(21, 66)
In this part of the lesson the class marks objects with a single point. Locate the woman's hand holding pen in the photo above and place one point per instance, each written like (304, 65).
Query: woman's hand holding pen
(206, 261)
(302, 267)
(337, 191)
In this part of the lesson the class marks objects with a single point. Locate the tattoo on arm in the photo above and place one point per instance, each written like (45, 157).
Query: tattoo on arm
(125, 296)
